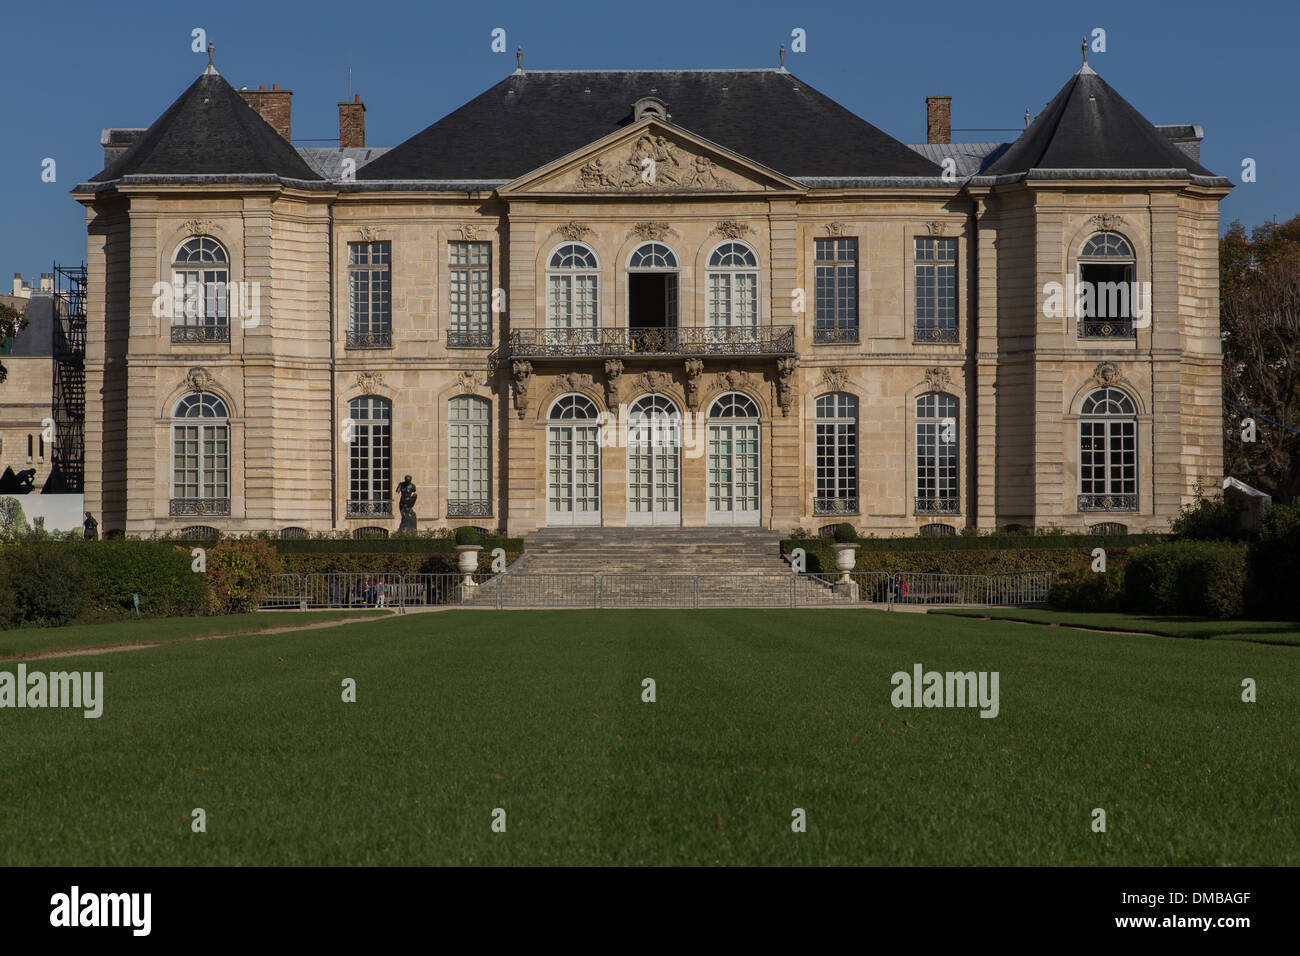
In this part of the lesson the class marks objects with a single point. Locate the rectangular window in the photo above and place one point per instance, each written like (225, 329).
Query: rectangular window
(936, 454)
(370, 302)
(1108, 457)
(469, 291)
(200, 461)
(936, 290)
(836, 315)
(469, 468)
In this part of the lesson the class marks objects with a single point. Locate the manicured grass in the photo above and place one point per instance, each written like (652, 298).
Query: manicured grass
(28, 640)
(757, 713)
(1264, 632)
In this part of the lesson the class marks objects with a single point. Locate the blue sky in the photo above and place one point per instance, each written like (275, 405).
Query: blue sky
(72, 68)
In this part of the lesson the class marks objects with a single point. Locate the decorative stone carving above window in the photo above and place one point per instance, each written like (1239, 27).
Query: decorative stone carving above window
(370, 234)
(652, 381)
(573, 231)
(936, 228)
(836, 228)
(1107, 221)
(647, 231)
(938, 379)
(197, 227)
(470, 381)
(1107, 373)
(199, 379)
(733, 380)
(835, 379)
(369, 381)
(470, 232)
(572, 382)
(730, 229)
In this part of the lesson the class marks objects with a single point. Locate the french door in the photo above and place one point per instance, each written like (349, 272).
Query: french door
(733, 475)
(573, 474)
(654, 483)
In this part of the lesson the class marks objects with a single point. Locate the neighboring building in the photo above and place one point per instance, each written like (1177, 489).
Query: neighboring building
(26, 394)
(846, 327)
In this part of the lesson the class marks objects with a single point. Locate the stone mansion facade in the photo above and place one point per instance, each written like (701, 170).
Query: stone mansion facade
(680, 298)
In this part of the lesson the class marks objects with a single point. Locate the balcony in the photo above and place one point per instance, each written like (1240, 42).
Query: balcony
(1106, 329)
(635, 343)
(469, 508)
(1108, 503)
(943, 505)
(182, 507)
(835, 506)
(370, 509)
(458, 339)
(377, 339)
(200, 334)
(939, 335)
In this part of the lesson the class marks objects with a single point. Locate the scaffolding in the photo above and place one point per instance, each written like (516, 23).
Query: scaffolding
(68, 458)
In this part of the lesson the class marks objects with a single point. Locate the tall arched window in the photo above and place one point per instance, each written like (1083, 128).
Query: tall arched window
(733, 288)
(837, 455)
(1106, 288)
(652, 298)
(1108, 451)
(936, 454)
(469, 476)
(573, 462)
(200, 456)
(654, 484)
(732, 470)
(573, 296)
(369, 432)
(200, 300)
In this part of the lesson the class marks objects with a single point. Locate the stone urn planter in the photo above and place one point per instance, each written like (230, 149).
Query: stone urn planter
(467, 562)
(846, 556)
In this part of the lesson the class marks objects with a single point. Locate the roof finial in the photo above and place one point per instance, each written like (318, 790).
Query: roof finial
(211, 49)
(519, 58)
(1026, 117)
(782, 53)
(1085, 51)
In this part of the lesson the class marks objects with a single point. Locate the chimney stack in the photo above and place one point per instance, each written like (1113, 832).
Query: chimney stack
(938, 119)
(352, 123)
(273, 105)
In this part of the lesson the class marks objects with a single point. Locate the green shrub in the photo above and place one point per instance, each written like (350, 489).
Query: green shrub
(239, 575)
(1204, 578)
(1208, 519)
(159, 571)
(467, 535)
(985, 542)
(1273, 565)
(1082, 589)
(44, 585)
(844, 533)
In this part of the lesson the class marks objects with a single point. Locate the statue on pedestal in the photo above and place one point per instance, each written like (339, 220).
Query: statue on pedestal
(406, 505)
(90, 528)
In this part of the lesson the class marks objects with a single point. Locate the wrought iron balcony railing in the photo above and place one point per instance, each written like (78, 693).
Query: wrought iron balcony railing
(370, 509)
(200, 334)
(623, 343)
(1106, 329)
(1108, 502)
(375, 339)
(460, 339)
(825, 335)
(943, 505)
(469, 508)
(200, 506)
(835, 506)
(943, 335)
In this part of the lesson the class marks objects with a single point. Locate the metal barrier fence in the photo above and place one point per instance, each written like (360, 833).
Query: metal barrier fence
(576, 590)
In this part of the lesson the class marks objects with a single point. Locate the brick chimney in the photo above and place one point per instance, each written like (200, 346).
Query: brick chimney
(352, 123)
(938, 119)
(272, 104)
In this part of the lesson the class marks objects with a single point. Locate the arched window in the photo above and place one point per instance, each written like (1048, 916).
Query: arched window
(936, 530)
(199, 532)
(573, 462)
(572, 295)
(369, 432)
(200, 283)
(652, 290)
(654, 483)
(200, 456)
(1108, 451)
(837, 455)
(732, 473)
(936, 454)
(293, 532)
(732, 288)
(469, 493)
(573, 406)
(1106, 288)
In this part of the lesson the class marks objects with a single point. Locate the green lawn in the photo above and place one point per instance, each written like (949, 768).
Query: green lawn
(28, 640)
(758, 712)
(1264, 632)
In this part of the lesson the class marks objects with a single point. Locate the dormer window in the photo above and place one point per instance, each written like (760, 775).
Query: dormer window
(650, 106)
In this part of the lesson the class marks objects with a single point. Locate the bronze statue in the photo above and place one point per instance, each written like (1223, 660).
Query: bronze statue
(90, 528)
(406, 505)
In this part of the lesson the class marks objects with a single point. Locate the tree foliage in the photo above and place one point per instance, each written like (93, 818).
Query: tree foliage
(11, 323)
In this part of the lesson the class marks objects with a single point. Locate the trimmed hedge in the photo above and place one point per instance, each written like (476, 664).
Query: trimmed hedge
(1273, 565)
(964, 560)
(1203, 578)
(985, 542)
(1082, 589)
(392, 545)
